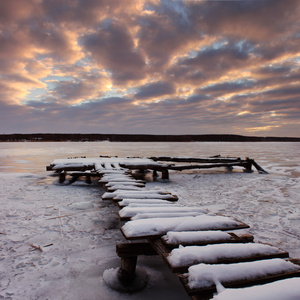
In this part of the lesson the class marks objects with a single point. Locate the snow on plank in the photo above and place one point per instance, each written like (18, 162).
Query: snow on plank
(181, 258)
(185, 238)
(129, 212)
(123, 187)
(119, 195)
(120, 180)
(117, 178)
(130, 183)
(162, 215)
(288, 289)
(148, 202)
(159, 226)
(203, 278)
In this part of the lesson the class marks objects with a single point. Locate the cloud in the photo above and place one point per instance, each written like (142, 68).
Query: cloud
(86, 88)
(112, 47)
(154, 90)
(150, 66)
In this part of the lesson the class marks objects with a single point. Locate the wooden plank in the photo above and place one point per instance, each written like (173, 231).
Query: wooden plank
(236, 284)
(159, 246)
(198, 160)
(149, 202)
(129, 212)
(217, 165)
(210, 226)
(134, 249)
(244, 238)
(184, 269)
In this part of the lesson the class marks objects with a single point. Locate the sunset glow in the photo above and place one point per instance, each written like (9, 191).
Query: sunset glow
(153, 67)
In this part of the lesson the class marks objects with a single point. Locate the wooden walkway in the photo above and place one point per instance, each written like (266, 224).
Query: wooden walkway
(204, 250)
(97, 167)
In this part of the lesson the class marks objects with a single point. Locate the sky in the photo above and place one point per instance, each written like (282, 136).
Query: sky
(150, 67)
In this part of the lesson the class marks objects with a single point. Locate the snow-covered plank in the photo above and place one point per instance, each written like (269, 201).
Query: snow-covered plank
(161, 215)
(120, 179)
(119, 195)
(186, 238)
(159, 226)
(152, 195)
(209, 277)
(124, 183)
(126, 187)
(183, 257)
(148, 202)
(288, 289)
(117, 178)
(129, 212)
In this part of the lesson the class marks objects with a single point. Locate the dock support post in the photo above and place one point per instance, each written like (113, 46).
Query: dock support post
(126, 273)
(165, 174)
(248, 165)
(129, 277)
(62, 176)
(88, 179)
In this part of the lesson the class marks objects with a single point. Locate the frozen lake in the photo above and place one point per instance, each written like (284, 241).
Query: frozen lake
(83, 230)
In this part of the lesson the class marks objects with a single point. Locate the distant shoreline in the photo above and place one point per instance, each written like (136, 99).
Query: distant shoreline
(94, 137)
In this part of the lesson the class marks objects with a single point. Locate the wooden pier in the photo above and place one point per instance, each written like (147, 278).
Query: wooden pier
(96, 167)
(195, 245)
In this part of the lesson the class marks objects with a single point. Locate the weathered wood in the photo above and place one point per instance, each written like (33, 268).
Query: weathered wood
(154, 167)
(74, 168)
(199, 160)
(184, 269)
(126, 273)
(241, 225)
(161, 248)
(244, 238)
(258, 167)
(129, 254)
(134, 249)
(236, 284)
(216, 165)
(62, 176)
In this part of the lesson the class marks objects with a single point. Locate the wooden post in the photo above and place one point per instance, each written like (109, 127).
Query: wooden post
(165, 174)
(62, 176)
(258, 167)
(129, 254)
(126, 273)
(248, 165)
(88, 179)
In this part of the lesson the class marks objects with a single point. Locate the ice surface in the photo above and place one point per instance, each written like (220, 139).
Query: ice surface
(35, 210)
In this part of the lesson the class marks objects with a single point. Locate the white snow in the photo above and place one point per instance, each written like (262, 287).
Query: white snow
(203, 275)
(160, 226)
(104, 163)
(128, 212)
(189, 255)
(164, 215)
(120, 194)
(36, 210)
(287, 289)
(122, 184)
(184, 237)
(143, 195)
(124, 187)
(150, 202)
